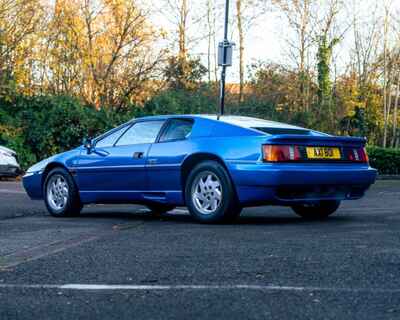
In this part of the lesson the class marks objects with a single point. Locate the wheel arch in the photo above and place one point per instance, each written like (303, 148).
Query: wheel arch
(51, 166)
(194, 159)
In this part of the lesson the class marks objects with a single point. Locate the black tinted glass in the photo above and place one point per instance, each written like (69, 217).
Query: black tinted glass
(178, 129)
(283, 131)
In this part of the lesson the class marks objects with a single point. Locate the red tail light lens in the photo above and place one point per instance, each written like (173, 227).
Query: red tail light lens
(366, 158)
(290, 153)
(357, 155)
(281, 153)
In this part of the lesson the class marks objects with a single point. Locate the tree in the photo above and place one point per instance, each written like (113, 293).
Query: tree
(364, 65)
(185, 20)
(20, 23)
(102, 51)
(324, 82)
(386, 81)
(299, 17)
(184, 74)
(119, 45)
(212, 64)
(239, 17)
(326, 44)
(184, 16)
(247, 13)
(276, 85)
(395, 137)
(62, 59)
(182, 26)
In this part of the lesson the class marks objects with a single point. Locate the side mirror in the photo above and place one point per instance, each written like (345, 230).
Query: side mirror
(88, 144)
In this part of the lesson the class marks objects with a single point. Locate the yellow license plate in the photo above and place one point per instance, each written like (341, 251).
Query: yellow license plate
(323, 153)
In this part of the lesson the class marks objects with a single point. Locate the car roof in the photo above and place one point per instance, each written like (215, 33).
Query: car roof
(241, 121)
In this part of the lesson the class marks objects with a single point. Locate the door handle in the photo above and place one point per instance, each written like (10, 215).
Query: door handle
(138, 155)
(152, 161)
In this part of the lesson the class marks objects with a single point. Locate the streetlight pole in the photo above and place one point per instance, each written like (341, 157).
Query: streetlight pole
(225, 59)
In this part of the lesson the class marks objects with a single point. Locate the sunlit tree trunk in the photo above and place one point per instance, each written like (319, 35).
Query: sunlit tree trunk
(305, 17)
(239, 20)
(395, 108)
(385, 78)
(210, 37)
(183, 15)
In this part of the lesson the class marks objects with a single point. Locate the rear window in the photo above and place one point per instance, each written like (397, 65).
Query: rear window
(282, 130)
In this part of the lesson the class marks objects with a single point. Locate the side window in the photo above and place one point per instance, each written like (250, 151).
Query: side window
(141, 132)
(178, 129)
(109, 140)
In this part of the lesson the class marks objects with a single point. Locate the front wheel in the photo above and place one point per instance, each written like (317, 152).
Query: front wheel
(210, 195)
(316, 210)
(61, 195)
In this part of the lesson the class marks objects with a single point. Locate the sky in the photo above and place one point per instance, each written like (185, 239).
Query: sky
(266, 40)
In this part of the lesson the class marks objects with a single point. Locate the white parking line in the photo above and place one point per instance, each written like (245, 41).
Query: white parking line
(105, 287)
(182, 211)
(11, 191)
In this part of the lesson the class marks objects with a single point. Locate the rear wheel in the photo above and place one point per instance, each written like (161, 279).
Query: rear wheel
(210, 195)
(316, 210)
(61, 195)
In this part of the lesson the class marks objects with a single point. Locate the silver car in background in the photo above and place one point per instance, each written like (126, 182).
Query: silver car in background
(9, 166)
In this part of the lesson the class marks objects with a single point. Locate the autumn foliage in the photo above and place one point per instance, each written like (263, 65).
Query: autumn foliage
(71, 68)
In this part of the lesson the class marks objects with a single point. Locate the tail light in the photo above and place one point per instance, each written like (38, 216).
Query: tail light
(291, 153)
(356, 154)
(281, 153)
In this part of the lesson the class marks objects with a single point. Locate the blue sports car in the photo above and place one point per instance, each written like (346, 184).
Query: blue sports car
(213, 165)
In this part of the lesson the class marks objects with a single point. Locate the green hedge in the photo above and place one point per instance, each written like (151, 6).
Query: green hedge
(40, 126)
(387, 161)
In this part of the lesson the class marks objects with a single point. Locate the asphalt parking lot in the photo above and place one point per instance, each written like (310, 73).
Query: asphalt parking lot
(120, 262)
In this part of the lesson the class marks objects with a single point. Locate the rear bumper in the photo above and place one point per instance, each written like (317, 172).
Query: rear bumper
(289, 183)
(9, 171)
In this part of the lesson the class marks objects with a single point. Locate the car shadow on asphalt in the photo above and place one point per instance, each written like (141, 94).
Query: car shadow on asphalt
(246, 219)
(286, 220)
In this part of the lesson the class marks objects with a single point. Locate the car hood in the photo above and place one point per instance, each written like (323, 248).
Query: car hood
(40, 166)
(8, 150)
(61, 157)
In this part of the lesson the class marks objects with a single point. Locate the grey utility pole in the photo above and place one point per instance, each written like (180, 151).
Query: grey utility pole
(224, 58)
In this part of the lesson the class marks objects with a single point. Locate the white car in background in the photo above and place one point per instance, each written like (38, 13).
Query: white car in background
(9, 166)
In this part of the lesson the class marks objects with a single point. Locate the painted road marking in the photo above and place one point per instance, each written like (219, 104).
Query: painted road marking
(181, 211)
(105, 287)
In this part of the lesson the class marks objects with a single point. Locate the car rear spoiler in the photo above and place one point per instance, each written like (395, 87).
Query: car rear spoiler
(314, 140)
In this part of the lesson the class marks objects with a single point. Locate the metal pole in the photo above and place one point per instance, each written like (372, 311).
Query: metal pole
(223, 73)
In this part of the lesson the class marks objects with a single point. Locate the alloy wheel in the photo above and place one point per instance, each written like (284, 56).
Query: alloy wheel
(57, 192)
(207, 193)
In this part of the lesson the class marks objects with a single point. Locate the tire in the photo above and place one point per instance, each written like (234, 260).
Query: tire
(316, 211)
(159, 208)
(210, 195)
(61, 195)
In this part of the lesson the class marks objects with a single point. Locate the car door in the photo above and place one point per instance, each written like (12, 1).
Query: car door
(116, 168)
(167, 154)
